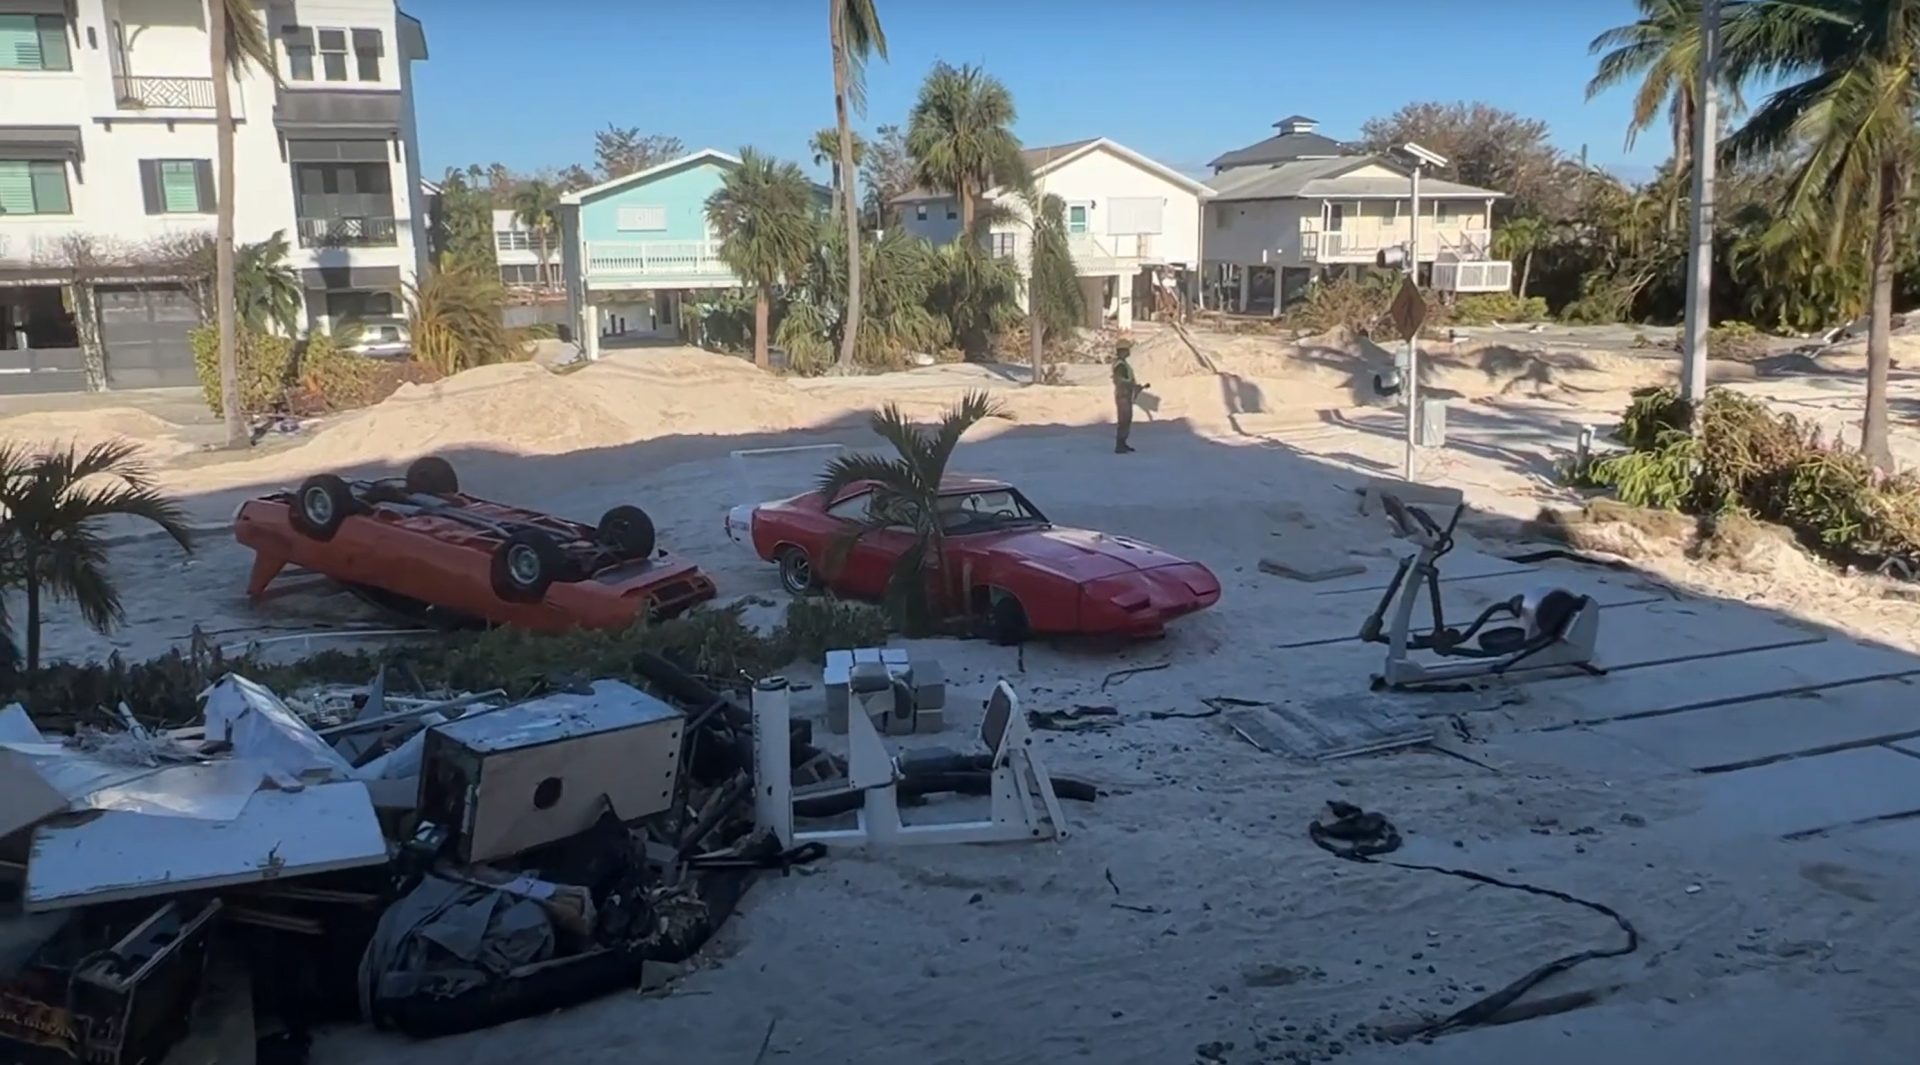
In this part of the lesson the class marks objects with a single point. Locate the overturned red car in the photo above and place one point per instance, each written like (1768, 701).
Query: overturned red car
(1013, 568)
(418, 545)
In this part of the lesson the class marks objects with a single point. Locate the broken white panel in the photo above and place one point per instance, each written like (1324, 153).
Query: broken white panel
(39, 780)
(17, 727)
(114, 855)
(216, 791)
(260, 727)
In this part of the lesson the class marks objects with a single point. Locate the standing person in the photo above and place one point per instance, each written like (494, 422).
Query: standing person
(1125, 391)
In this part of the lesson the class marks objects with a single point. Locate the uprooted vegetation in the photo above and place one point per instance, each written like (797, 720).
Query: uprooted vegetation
(1744, 459)
(718, 644)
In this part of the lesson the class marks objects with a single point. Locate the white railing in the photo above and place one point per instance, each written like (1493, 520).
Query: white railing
(1446, 244)
(1488, 275)
(613, 260)
(1466, 244)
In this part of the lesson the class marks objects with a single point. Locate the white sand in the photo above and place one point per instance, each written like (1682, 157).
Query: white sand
(1020, 953)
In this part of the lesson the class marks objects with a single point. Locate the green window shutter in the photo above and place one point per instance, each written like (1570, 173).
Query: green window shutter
(53, 43)
(203, 177)
(179, 192)
(19, 43)
(50, 187)
(16, 188)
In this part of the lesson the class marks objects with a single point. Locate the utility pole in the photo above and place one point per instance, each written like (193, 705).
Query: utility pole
(1706, 145)
(1413, 342)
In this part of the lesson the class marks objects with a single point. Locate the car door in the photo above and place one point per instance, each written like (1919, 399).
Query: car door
(869, 561)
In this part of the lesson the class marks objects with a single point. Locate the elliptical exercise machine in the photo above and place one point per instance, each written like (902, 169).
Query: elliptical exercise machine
(1555, 627)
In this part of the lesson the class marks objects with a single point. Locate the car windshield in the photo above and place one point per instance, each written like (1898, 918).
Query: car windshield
(994, 508)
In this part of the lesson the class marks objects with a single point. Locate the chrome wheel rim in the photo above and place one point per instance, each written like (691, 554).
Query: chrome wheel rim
(318, 505)
(523, 563)
(799, 573)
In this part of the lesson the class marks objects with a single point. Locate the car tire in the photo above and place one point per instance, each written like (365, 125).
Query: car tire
(321, 504)
(627, 532)
(432, 476)
(1007, 621)
(525, 564)
(796, 572)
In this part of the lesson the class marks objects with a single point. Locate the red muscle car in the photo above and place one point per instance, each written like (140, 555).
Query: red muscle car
(420, 546)
(1012, 567)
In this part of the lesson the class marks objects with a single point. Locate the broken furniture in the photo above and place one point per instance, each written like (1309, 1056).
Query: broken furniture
(915, 689)
(1555, 627)
(121, 1001)
(540, 771)
(1023, 802)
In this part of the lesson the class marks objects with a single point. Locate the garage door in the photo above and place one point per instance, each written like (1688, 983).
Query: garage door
(144, 331)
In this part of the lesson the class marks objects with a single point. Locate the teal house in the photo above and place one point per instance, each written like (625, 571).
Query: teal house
(637, 249)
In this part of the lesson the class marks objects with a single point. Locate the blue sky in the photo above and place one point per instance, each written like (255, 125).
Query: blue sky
(1181, 82)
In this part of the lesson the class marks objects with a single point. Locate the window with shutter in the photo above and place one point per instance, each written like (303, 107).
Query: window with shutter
(34, 42)
(1134, 214)
(33, 187)
(333, 54)
(367, 50)
(648, 217)
(179, 187)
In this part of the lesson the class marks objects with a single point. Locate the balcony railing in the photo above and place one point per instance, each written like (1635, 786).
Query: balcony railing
(348, 232)
(133, 93)
(644, 260)
(1491, 275)
(1443, 244)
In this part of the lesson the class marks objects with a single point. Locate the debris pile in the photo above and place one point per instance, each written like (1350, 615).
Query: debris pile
(427, 863)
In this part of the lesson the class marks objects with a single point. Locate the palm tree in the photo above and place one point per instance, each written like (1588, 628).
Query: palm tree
(896, 317)
(1055, 302)
(454, 318)
(52, 506)
(237, 40)
(826, 152)
(266, 290)
(907, 489)
(763, 214)
(961, 137)
(1519, 239)
(536, 205)
(1851, 118)
(853, 27)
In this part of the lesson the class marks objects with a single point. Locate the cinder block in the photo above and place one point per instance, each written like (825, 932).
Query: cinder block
(929, 681)
(930, 719)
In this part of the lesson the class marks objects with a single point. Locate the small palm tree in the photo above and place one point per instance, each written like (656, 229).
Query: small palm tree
(237, 41)
(960, 135)
(1519, 239)
(52, 506)
(1851, 117)
(826, 152)
(907, 489)
(763, 214)
(454, 319)
(537, 206)
(853, 28)
(1055, 302)
(266, 290)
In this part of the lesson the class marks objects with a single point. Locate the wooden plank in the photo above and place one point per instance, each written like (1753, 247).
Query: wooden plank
(1809, 795)
(1752, 732)
(113, 856)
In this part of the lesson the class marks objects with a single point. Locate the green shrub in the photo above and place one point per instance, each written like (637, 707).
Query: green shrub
(264, 363)
(1358, 306)
(1486, 308)
(1653, 412)
(330, 377)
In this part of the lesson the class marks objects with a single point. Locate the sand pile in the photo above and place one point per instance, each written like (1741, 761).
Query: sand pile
(159, 439)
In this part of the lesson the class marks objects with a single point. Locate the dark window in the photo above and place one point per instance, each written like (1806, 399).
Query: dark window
(359, 306)
(367, 50)
(333, 54)
(177, 186)
(300, 62)
(34, 186)
(920, 213)
(1003, 245)
(952, 212)
(34, 42)
(1336, 216)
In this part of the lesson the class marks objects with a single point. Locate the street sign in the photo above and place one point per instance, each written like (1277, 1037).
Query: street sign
(1409, 310)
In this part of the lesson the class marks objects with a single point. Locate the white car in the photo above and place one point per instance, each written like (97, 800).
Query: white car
(386, 340)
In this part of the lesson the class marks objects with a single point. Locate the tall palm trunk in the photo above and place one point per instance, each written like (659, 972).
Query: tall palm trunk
(1684, 118)
(965, 192)
(1037, 335)
(1886, 233)
(849, 211)
(223, 296)
(546, 274)
(1526, 272)
(762, 312)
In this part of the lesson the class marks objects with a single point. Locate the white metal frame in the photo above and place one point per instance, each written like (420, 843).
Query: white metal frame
(1017, 771)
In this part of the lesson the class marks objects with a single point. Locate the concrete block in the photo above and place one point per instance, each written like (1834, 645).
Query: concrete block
(930, 719)
(869, 677)
(929, 681)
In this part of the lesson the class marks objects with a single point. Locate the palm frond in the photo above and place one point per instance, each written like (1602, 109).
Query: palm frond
(972, 409)
(85, 502)
(247, 44)
(913, 446)
(848, 470)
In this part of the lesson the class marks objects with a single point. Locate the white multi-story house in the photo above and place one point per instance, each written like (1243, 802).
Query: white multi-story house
(518, 250)
(1128, 218)
(107, 131)
(1298, 207)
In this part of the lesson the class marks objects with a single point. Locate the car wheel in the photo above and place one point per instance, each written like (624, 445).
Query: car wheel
(525, 564)
(432, 476)
(627, 531)
(1007, 621)
(321, 504)
(796, 572)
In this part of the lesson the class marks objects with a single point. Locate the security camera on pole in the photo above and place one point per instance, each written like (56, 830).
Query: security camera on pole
(1409, 310)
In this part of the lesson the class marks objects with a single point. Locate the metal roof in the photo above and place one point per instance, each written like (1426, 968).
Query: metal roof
(1283, 147)
(1328, 178)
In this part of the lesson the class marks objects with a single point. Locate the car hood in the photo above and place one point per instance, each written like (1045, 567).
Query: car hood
(1080, 554)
